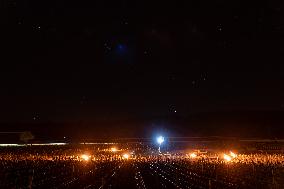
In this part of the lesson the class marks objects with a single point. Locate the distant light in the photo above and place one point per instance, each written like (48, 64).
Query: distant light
(113, 149)
(49, 144)
(85, 157)
(233, 155)
(11, 145)
(92, 143)
(125, 156)
(193, 155)
(227, 157)
(58, 143)
(160, 140)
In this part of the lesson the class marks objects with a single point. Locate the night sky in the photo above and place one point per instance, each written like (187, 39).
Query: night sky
(126, 68)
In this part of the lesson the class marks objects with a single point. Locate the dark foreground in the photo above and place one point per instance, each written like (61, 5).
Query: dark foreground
(66, 167)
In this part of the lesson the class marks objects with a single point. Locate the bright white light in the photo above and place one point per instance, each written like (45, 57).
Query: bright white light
(113, 149)
(49, 144)
(125, 156)
(11, 145)
(193, 155)
(227, 157)
(233, 154)
(85, 157)
(160, 140)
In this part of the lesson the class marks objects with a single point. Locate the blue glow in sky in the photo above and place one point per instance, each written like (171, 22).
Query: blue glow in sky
(121, 49)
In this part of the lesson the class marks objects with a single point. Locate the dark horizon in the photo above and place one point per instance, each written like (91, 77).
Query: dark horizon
(250, 124)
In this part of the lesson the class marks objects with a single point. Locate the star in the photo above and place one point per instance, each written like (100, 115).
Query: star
(219, 28)
(107, 47)
(38, 27)
(172, 108)
(36, 117)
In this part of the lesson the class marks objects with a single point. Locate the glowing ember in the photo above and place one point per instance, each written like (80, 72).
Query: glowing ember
(227, 157)
(192, 155)
(233, 155)
(85, 157)
(125, 156)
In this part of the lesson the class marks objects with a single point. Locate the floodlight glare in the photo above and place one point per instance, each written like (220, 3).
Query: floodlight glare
(160, 140)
